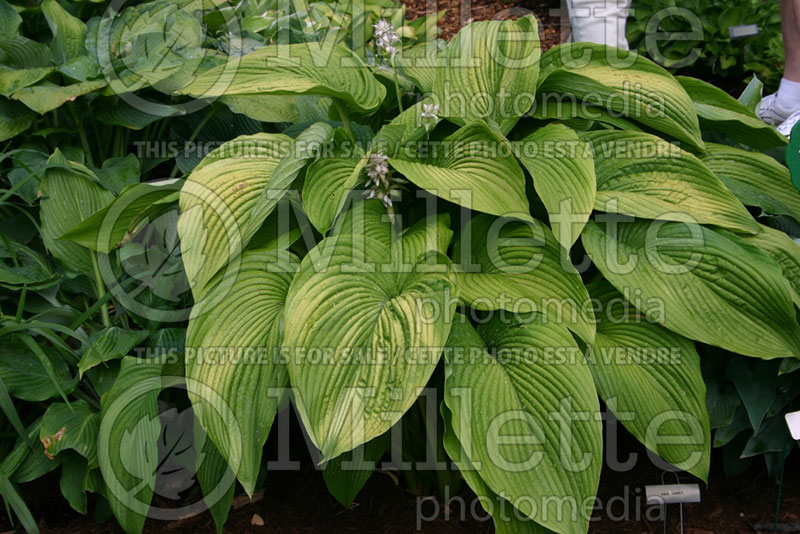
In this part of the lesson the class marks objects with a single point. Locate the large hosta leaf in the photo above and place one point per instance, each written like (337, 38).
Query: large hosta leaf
(785, 251)
(520, 268)
(563, 175)
(631, 85)
(473, 168)
(231, 361)
(357, 305)
(328, 181)
(489, 65)
(47, 97)
(14, 118)
(727, 116)
(650, 378)
(710, 286)
(71, 427)
(507, 519)
(127, 445)
(510, 404)
(296, 69)
(642, 175)
(756, 179)
(68, 32)
(70, 194)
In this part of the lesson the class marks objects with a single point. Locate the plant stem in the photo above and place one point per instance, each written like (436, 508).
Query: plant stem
(82, 135)
(397, 85)
(101, 291)
(342, 110)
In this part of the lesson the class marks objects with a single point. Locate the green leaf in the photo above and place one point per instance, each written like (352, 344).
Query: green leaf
(509, 408)
(473, 168)
(69, 195)
(47, 97)
(14, 118)
(215, 478)
(623, 82)
(327, 184)
(488, 66)
(751, 95)
(564, 178)
(709, 286)
(642, 175)
(13, 79)
(420, 64)
(109, 344)
(127, 448)
(12, 497)
(507, 519)
(578, 114)
(726, 115)
(26, 377)
(756, 179)
(521, 268)
(9, 20)
(650, 378)
(119, 173)
(264, 108)
(73, 472)
(295, 69)
(345, 475)
(217, 199)
(122, 218)
(71, 427)
(23, 266)
(756, 383)
(235, 398)
(381, 324)
(786, 253)
(68, 32)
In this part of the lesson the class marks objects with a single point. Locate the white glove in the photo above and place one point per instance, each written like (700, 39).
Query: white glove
(599, 21)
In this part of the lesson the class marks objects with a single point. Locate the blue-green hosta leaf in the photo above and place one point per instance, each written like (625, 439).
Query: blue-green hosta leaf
(756, 179)
(69, 195)
(234, 398)
(721, 112)
(71, 427)
(473, 168)
(296, 69)
(127, 445)
(488, 66)
(709, 286)
(9, 20)
(355, 300)
(68, 32)
(642, 175)
(15, 118)
(563, 175)
(786, 253)
(650, 378)
(507, 519)
(109, 344)
(217, 199)
(47, 97)
(631, 85)
(520, 268)
(509, 406)
(345, 475)
(13, 80)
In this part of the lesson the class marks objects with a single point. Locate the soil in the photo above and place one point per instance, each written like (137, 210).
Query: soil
(298, 502)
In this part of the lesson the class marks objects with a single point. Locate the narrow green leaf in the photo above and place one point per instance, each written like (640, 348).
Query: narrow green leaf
(11, 495)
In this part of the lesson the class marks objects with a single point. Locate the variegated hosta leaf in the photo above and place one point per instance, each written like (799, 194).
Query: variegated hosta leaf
(510, 405)
(363, 333)
(650, 378)
(721, 112)
(232, 368)
(474, 168)
(232, 191)
(639, 174)
(520, 268)
(785, 251)
(489, 65)
(563, 175)
(296, 69)
(70, 194)
(622, 82)
(756, 179)
(707, 285)
(507, 520)
(328, 182)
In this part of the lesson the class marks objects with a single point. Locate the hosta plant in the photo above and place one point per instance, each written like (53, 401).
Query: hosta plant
(525, 234)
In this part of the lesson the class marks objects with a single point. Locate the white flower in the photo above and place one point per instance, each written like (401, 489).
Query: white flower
(429, 115)
(385, 37)
(382, 27)
(381, 184)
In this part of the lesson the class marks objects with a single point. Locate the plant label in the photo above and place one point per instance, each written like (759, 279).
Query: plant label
(793, 422)
(742, 31)
(672, 493)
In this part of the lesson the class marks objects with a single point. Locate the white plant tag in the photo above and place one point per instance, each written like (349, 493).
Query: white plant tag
(672, 493)
(745, 30)
(793, 422)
